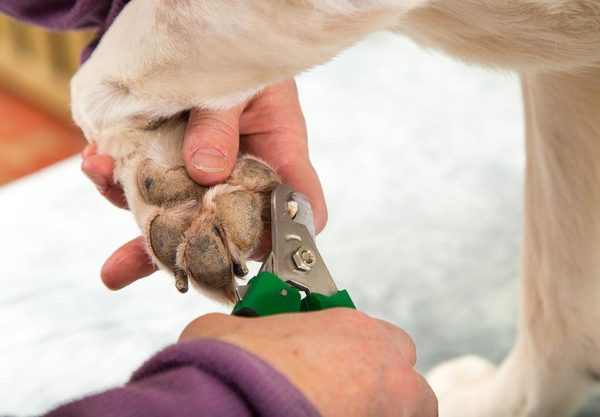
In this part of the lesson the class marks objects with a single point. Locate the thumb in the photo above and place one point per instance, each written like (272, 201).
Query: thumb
(210, 144)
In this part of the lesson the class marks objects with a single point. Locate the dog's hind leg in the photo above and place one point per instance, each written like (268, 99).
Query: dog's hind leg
(555, 360)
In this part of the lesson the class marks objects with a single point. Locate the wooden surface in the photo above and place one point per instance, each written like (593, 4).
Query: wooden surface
(31, 139)
(35, 124)
(37, 64)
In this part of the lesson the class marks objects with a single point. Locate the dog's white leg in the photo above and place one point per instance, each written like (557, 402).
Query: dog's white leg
(161, 57)
(555, 360)
(532, 35)
(556, 45)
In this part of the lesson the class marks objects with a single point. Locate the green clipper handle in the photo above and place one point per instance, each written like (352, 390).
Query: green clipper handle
(267, 295)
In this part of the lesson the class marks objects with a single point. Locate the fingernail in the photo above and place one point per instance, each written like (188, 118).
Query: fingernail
(208, 160)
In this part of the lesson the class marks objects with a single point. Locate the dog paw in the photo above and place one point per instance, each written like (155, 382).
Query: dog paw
(204, 235)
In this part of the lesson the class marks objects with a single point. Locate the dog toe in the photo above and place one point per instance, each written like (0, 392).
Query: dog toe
(160, 186)
(239, 215)
(205, 258)
(253, 174)
(166, 232)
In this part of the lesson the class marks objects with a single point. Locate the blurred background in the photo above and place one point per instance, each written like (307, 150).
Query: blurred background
(35, 124)
(421, 158)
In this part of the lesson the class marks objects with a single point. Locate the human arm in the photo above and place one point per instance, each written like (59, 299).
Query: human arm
(201, 377)
(345, 362)
(332, 363)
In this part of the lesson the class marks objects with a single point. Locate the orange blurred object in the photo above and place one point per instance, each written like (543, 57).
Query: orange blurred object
(31, 139)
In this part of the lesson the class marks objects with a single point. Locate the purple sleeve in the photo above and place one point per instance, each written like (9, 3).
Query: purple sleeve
(66, 15)
(58, 14)
(200, 378)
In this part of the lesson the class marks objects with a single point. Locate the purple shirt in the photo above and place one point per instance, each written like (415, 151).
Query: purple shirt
(203, 378)
(66, 15)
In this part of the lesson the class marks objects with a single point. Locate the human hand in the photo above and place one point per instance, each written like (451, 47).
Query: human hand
(345, 362)
(270, 126)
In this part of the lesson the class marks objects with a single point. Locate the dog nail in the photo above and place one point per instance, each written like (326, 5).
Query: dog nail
(181, 281)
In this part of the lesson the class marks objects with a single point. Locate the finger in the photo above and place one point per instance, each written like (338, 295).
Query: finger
(126, 265)
(273, 128)
(210, 144)
(301, 176)
(99, 169)
(408, 394)
(286, 153)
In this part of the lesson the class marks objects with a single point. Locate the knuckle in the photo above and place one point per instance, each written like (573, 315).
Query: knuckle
(405, 344)
(204, 326)
(410, 350)
(353, 318)
(405, 337)
(211, 318)
(426, 404)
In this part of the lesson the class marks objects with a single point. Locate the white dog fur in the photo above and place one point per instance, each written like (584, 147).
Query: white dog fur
(162, 57)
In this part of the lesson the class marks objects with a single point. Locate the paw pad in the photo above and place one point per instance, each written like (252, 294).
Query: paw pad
(205, 234)
(160, 186)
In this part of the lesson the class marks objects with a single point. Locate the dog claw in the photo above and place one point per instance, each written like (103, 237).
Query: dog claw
(181, 282)
(239, 269)
(166, 232)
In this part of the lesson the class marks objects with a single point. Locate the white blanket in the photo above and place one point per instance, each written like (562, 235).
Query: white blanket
(421, 159)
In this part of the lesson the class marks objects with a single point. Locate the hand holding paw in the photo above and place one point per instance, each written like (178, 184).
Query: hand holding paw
(270, 126)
